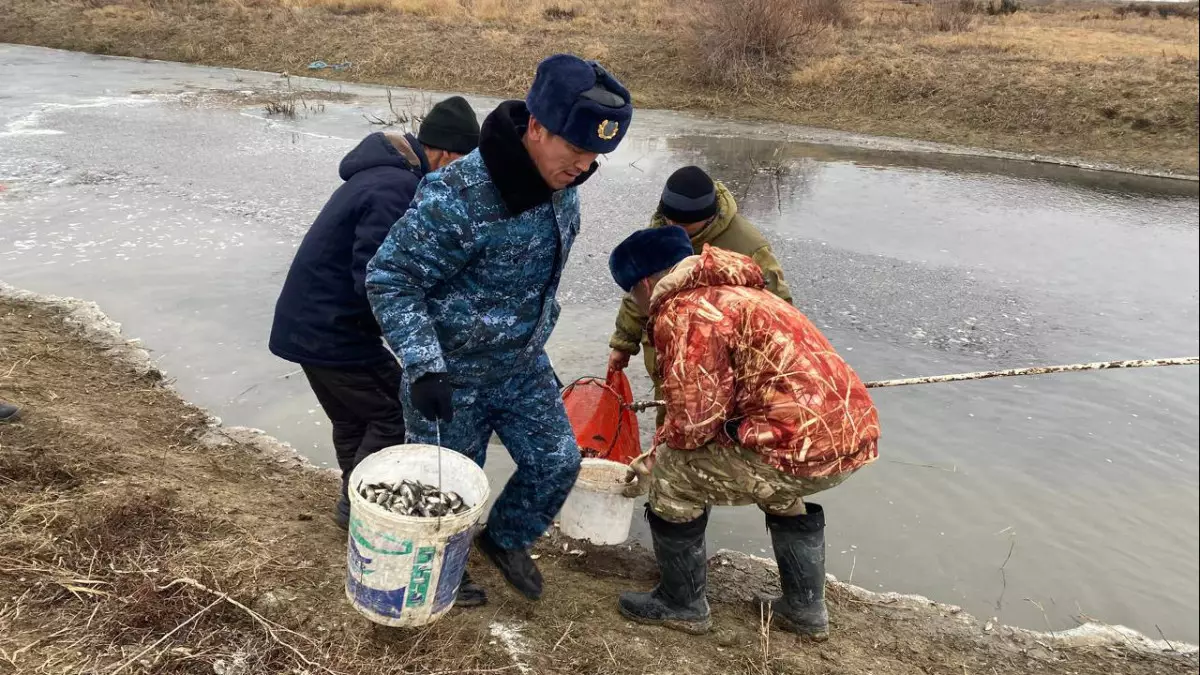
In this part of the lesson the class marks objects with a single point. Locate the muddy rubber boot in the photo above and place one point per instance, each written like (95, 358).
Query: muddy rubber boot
(799, 543)
(344, 450)
(470, 594)
(341, 510)
(515, 565)
(678, 601)
(341, 513)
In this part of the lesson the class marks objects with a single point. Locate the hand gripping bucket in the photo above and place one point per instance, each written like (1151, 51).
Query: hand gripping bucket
(403, 570)
(596, 510)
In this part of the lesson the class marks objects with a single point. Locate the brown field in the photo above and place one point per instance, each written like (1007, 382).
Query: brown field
(1098, 82)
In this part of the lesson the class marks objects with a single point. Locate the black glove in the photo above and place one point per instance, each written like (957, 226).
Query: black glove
(431, 395)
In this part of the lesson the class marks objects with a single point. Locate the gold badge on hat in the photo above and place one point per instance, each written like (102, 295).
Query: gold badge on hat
(608, 130)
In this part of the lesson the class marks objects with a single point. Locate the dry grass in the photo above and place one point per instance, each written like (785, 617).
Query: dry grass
(952, 16)
(630, 13)
(1055, 78)
(737, 44)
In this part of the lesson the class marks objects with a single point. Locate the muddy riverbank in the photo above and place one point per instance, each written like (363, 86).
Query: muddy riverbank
(140, 537)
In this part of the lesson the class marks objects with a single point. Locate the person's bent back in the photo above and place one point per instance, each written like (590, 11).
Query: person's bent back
(771, 381)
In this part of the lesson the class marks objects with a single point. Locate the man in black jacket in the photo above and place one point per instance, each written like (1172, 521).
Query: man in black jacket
(323, 320)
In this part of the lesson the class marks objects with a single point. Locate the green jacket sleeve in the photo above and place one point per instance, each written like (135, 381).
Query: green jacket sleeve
(631, 325)
(772, 273)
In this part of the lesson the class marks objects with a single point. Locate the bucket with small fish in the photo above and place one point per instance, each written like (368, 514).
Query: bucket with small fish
(413, 509)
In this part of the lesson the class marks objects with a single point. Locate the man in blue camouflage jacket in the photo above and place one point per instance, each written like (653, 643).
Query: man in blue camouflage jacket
(464, 288)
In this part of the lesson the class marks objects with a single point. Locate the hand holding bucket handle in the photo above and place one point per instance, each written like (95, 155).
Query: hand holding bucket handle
(637, 477)
(433, 396)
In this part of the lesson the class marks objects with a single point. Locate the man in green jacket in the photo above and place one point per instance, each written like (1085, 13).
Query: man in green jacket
(707, 211)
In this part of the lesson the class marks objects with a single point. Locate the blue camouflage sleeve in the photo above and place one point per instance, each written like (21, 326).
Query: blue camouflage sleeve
(429, 244)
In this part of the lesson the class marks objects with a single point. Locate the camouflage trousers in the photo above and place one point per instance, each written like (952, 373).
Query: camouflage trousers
(684, 482)
(526, 411)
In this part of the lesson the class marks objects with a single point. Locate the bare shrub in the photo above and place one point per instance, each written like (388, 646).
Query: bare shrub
(556, 13)
(407, 117)
(831, 12)
(1002, 7)
(1184, 10)
(952, 16)
(740, 43)
(281, 106)
(989, 7)
(356, 7)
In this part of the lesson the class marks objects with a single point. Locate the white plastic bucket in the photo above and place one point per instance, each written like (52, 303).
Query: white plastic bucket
(404, 570)
(596, 510)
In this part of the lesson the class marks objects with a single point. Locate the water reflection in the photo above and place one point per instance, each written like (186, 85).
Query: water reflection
(762, 175)
(743, 155)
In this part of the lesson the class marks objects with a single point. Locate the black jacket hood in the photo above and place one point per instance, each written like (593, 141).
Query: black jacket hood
(376, 150)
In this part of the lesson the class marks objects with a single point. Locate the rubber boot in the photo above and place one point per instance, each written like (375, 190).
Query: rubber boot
(799, 543)
(344, 452)
(678, 601)
(341, 510)
(341, 513)
(515, 565)
(470, 594)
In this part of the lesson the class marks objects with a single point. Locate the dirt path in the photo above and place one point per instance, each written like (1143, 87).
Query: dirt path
(136, 537)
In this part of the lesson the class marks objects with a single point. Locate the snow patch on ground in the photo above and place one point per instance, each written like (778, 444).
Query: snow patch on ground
(510, 638)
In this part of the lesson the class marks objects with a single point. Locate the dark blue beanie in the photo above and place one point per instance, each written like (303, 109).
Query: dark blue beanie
(581, 102)
(648, 252)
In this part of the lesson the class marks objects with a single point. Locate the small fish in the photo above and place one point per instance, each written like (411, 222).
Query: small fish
(413, 498)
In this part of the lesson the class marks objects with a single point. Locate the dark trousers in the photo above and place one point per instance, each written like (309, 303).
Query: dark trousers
(363, 404)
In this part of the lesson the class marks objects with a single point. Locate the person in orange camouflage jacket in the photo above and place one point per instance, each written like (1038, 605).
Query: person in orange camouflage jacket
(760, 409)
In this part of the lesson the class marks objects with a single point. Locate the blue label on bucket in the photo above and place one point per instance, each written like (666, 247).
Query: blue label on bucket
(454, 561)
(388, 603)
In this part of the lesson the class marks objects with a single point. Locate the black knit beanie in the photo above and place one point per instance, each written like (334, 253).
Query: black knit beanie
(450, 125)
(689, 196)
